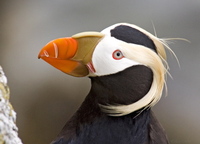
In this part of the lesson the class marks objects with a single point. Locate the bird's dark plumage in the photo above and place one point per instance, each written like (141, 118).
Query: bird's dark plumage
(143, 129)
(91, 126)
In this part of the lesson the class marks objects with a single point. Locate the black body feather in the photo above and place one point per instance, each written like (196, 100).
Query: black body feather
(90, 125)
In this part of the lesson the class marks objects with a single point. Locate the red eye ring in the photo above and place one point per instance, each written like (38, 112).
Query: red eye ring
(117, 55)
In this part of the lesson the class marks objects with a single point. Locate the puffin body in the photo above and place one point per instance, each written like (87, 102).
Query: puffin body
(126, 65)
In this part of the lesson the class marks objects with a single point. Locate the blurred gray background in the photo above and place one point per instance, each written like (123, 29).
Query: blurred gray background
(46, 98)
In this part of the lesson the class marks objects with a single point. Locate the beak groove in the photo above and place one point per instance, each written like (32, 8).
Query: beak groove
(55, 49)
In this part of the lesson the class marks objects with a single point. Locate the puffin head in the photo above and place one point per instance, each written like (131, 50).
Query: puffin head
(109, 52)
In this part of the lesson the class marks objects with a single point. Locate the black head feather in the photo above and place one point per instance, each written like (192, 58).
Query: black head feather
(132, 35)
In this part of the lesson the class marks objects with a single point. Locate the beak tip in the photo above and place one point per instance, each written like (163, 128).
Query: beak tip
(43, 53)
(40, 55)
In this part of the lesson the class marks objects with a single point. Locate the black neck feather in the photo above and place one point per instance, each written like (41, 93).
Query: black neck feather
(125, 87)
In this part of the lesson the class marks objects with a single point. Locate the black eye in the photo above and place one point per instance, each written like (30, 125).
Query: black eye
(117, 55)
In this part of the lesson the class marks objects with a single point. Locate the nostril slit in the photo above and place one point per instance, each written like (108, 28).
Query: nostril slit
(46, 53)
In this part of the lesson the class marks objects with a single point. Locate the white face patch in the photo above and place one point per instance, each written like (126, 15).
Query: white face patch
(104, 60)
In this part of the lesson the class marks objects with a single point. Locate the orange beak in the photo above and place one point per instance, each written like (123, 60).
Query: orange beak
(71, 55)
